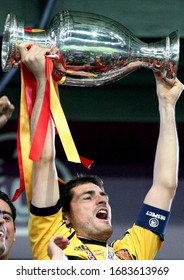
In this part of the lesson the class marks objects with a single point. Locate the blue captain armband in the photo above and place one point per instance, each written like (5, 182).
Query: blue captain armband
(153, 218)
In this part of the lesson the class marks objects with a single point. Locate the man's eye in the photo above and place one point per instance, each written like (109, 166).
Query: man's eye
(7, 218)
(87, 197)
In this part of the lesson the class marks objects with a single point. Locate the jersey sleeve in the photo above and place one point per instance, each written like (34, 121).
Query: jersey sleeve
(43, 224)
(138, 243)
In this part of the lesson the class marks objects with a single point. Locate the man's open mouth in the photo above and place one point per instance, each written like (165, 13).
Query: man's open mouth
(1, 233)
(102, 214)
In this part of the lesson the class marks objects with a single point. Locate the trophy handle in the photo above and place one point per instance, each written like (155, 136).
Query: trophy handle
(13, 33)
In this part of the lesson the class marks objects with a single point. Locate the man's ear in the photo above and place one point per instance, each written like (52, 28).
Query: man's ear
(14, 234)
(66, 218)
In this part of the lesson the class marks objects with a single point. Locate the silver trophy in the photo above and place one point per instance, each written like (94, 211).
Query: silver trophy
(96, 50)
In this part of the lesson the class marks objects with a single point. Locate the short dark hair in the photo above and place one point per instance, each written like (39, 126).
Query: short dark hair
(6, 198)
(66, 194)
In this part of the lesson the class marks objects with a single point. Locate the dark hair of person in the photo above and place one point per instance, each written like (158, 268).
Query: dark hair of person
(6, 198)
(66, 194)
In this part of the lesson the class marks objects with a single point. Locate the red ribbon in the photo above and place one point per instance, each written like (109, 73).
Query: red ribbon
(42, 125)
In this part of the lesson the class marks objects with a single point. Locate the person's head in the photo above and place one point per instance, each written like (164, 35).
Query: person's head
(86, 208)
(7, 225)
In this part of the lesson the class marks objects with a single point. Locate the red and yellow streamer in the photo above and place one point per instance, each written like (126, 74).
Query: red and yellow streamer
(51, 107)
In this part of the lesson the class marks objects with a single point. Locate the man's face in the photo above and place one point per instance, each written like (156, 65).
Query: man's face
(7, 230)
(90, 213)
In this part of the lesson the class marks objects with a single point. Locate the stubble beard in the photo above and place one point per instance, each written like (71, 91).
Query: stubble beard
(102, 234)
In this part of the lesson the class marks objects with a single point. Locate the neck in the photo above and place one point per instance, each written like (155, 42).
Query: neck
(5, 257)
(88, 238)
